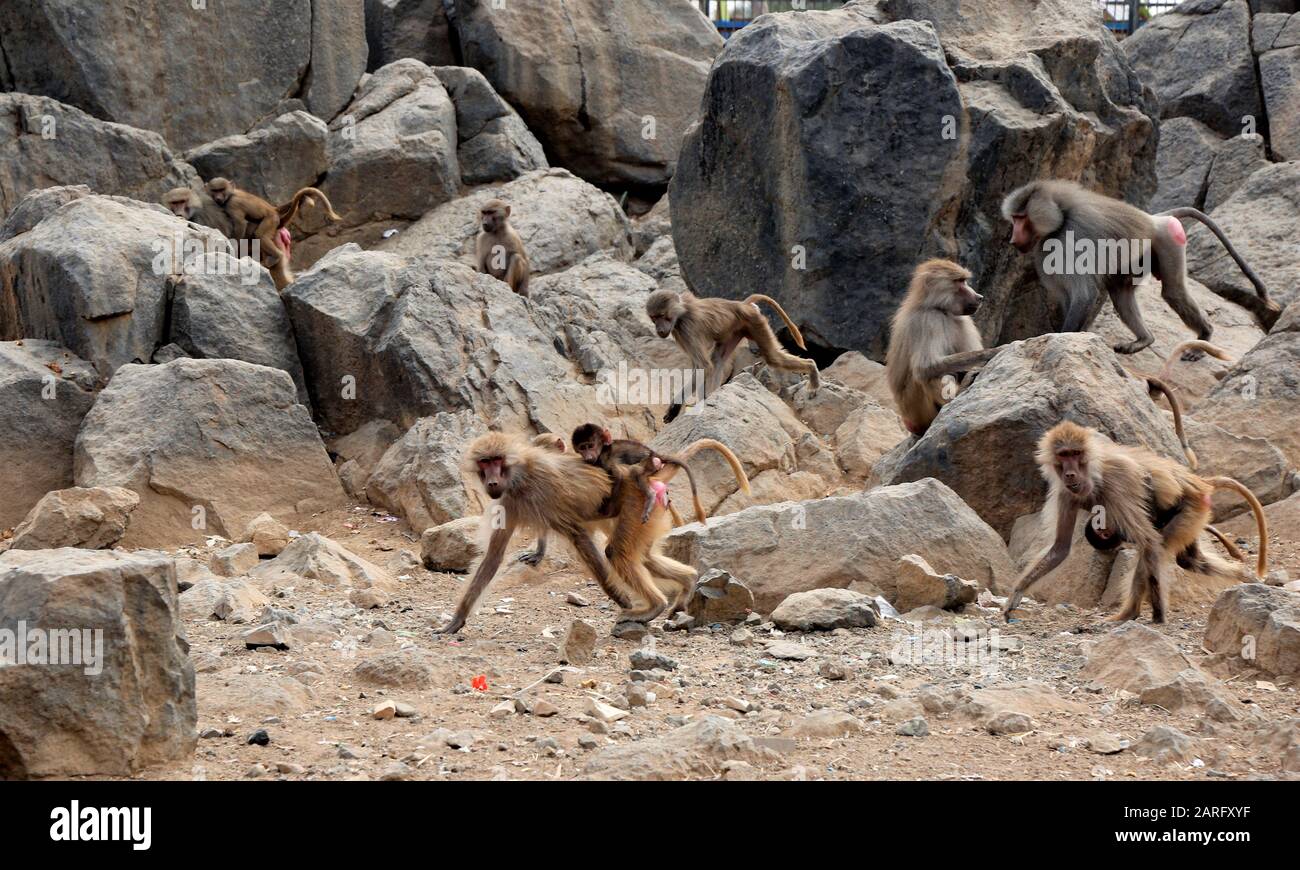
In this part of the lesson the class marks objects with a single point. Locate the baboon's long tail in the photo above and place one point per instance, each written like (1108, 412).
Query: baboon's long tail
(789, 324)
(1267, 310)
(1159, 386)
(1261, 565)
(1195, 344)
(705, 443)
(311, 194)
(695, 497)
(1227, 543)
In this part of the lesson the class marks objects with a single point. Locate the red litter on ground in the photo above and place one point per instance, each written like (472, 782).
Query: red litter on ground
(480, 682)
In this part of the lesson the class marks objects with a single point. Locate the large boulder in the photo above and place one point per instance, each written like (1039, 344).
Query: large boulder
(757, 426)
(339, 55)
(93, 275)
(382, 337)
(127, 700)
(207, 445)
(44, 394)
(1252, 460)
(44, 143)
(1198, 60)
(1026, 390)
(92, 518)
(1198, 168)
(192, 74)
(851, 542)
(1261, 395)
(493, 142)
(408, 28)
(393, 150)
(273, 160)
(561, 219)
(791, 181)
(610, 87)
(419, 477)
(223, 310)
(1262, 217)
(1279, 78)
(1258, 623)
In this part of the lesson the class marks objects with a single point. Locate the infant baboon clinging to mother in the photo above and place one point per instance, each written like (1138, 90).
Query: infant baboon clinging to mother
(1137, 496)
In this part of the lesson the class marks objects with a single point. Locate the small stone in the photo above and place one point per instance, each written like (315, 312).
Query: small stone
(1008, 722)
(629, 630)
(754, 619)
(289, 768)
(576, 600)
(742, 637)
(348, 753)
(503, 710)
(1105, 744)
(604, 712)
(718, 597)
(368, 599)
(256, 770)
(234, 560)
(395, 772)
(210, 733)
(789, 650)
(825, 609)
(645, 660)
(544, 708)
(637, 695)
(579, 643)
(405, 711)
(740, 705)
(834, 671)
(914, 727)
(272, 634)
(680, 621)
(268, 536)
(259, 738)
(386, 710)
(588, 741)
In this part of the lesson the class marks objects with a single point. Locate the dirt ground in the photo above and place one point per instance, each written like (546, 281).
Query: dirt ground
(318, 714)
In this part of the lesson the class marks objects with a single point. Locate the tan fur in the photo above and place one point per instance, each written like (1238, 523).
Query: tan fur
(1120, 481)
(199, 208)
(1157, 387)
(929, 325)
(710, 330)
(252, 217)
(546, 491)
(498, 249)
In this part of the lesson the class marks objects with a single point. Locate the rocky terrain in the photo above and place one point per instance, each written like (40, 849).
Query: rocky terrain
(254, 499)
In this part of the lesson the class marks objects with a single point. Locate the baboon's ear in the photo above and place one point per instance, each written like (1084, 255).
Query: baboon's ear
(507, 211)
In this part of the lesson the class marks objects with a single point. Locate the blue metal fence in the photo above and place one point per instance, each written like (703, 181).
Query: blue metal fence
(1121, 16)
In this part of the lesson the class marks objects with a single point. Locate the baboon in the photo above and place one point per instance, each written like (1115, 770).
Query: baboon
(544, 490)
(498, 249)
(598, 446)
(710, 330)
(932, 342)
(252, 217)
(199, 208)
(1066, 214)
(1133, 495)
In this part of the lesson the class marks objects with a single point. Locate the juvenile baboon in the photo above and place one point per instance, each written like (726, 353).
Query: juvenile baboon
(1133, 495)
(252, 217)
(498, 249)
(1066, 214)
(933, 340)
(199, 208)
(598, 446)
(710, 330)
(544, 490)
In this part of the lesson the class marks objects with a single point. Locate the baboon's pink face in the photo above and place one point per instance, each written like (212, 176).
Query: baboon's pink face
(1023, 234)
(1072, 468)
(494, 474)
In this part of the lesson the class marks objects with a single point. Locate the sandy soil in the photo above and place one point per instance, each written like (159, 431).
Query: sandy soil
(311, 703)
